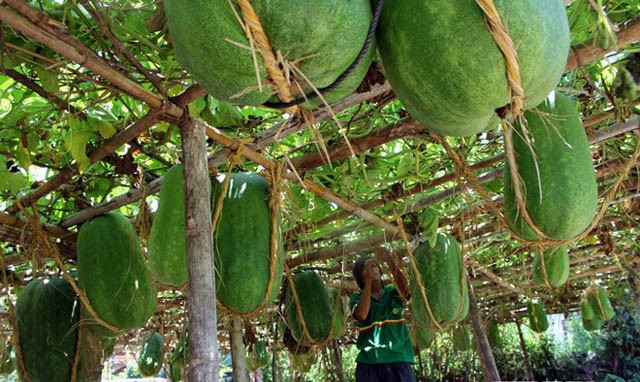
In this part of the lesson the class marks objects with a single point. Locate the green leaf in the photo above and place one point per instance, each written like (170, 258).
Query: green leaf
(48, 79)
(11, 181)
(429, 220)
(406, 165)
(76, 142)
(105, 129)
(222, 114)
(23, 156)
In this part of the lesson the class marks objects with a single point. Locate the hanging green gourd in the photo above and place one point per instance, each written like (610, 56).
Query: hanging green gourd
(308, 307)
(167, 248)
(247, 238)
(538, 321)
(551, 266)
(454, 64)
(493, 335)
(112, 273)
(250, 52)
(557, 185)
(599, 302)
(46, 320)
(443, 276)
(421, 336)
(461, 338)
(339, 323)
(150, 354)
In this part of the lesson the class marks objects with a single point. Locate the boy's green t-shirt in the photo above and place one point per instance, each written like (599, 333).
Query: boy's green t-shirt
(384, 336)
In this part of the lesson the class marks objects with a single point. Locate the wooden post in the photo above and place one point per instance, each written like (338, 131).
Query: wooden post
(91, 352)
(523, 346)
(488, 363)
(337, 360)
(237, 351)
(201, 303)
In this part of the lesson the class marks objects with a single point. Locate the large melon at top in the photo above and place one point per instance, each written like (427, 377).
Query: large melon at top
(446, 68)
(560, 189)
(321, 38)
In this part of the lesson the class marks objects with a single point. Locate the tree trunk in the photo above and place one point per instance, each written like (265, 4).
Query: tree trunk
(523, 346)
(91, 354)
(237, 351)
(422, 376)
(487, 361)
(201, 306)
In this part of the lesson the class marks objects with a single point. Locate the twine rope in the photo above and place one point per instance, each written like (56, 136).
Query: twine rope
(508, 49)
(255, 32)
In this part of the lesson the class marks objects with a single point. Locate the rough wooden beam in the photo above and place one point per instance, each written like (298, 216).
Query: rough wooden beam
(587, 52)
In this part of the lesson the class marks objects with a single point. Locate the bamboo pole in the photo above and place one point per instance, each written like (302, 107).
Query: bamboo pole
(527, 365)
(201, 307)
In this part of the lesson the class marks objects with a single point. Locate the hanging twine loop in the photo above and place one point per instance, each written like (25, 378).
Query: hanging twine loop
(272, 62)
(501, 36)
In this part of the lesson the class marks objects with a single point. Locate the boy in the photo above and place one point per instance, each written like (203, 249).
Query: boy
(385, 347)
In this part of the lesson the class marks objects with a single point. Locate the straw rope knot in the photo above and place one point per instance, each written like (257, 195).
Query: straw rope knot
(512, 64)
(256, 34)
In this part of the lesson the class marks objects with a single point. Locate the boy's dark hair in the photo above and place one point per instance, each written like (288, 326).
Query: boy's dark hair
(358, 267)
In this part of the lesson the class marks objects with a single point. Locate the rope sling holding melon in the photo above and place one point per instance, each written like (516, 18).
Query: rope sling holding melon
(515, 108)
(274, 178)
(273, 62)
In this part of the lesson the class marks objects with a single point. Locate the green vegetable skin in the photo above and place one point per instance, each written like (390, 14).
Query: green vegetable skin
(242, 244)
(446, 288)
(47, 321)
(321, 38)
(167, 249)
(566, 178)
(555, 268)
(313, 298)
(112, 272)
(445, 67)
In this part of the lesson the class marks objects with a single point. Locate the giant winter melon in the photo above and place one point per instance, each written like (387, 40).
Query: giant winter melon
(445, 66)
(445, 282)
(559, 183)
(46, 316)
(242, 244)
(321, 39)
(309, 307)
(167, 248)
(112, 272)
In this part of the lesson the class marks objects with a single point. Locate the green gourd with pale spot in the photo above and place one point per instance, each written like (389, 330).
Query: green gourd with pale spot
(445, 67)
(150, 355)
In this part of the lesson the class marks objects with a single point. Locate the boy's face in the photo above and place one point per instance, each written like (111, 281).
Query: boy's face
(371, 270)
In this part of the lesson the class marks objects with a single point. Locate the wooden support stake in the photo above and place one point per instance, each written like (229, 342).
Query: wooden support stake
(488, 363)
(237, 351)
(201, 304)
(523, 346)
